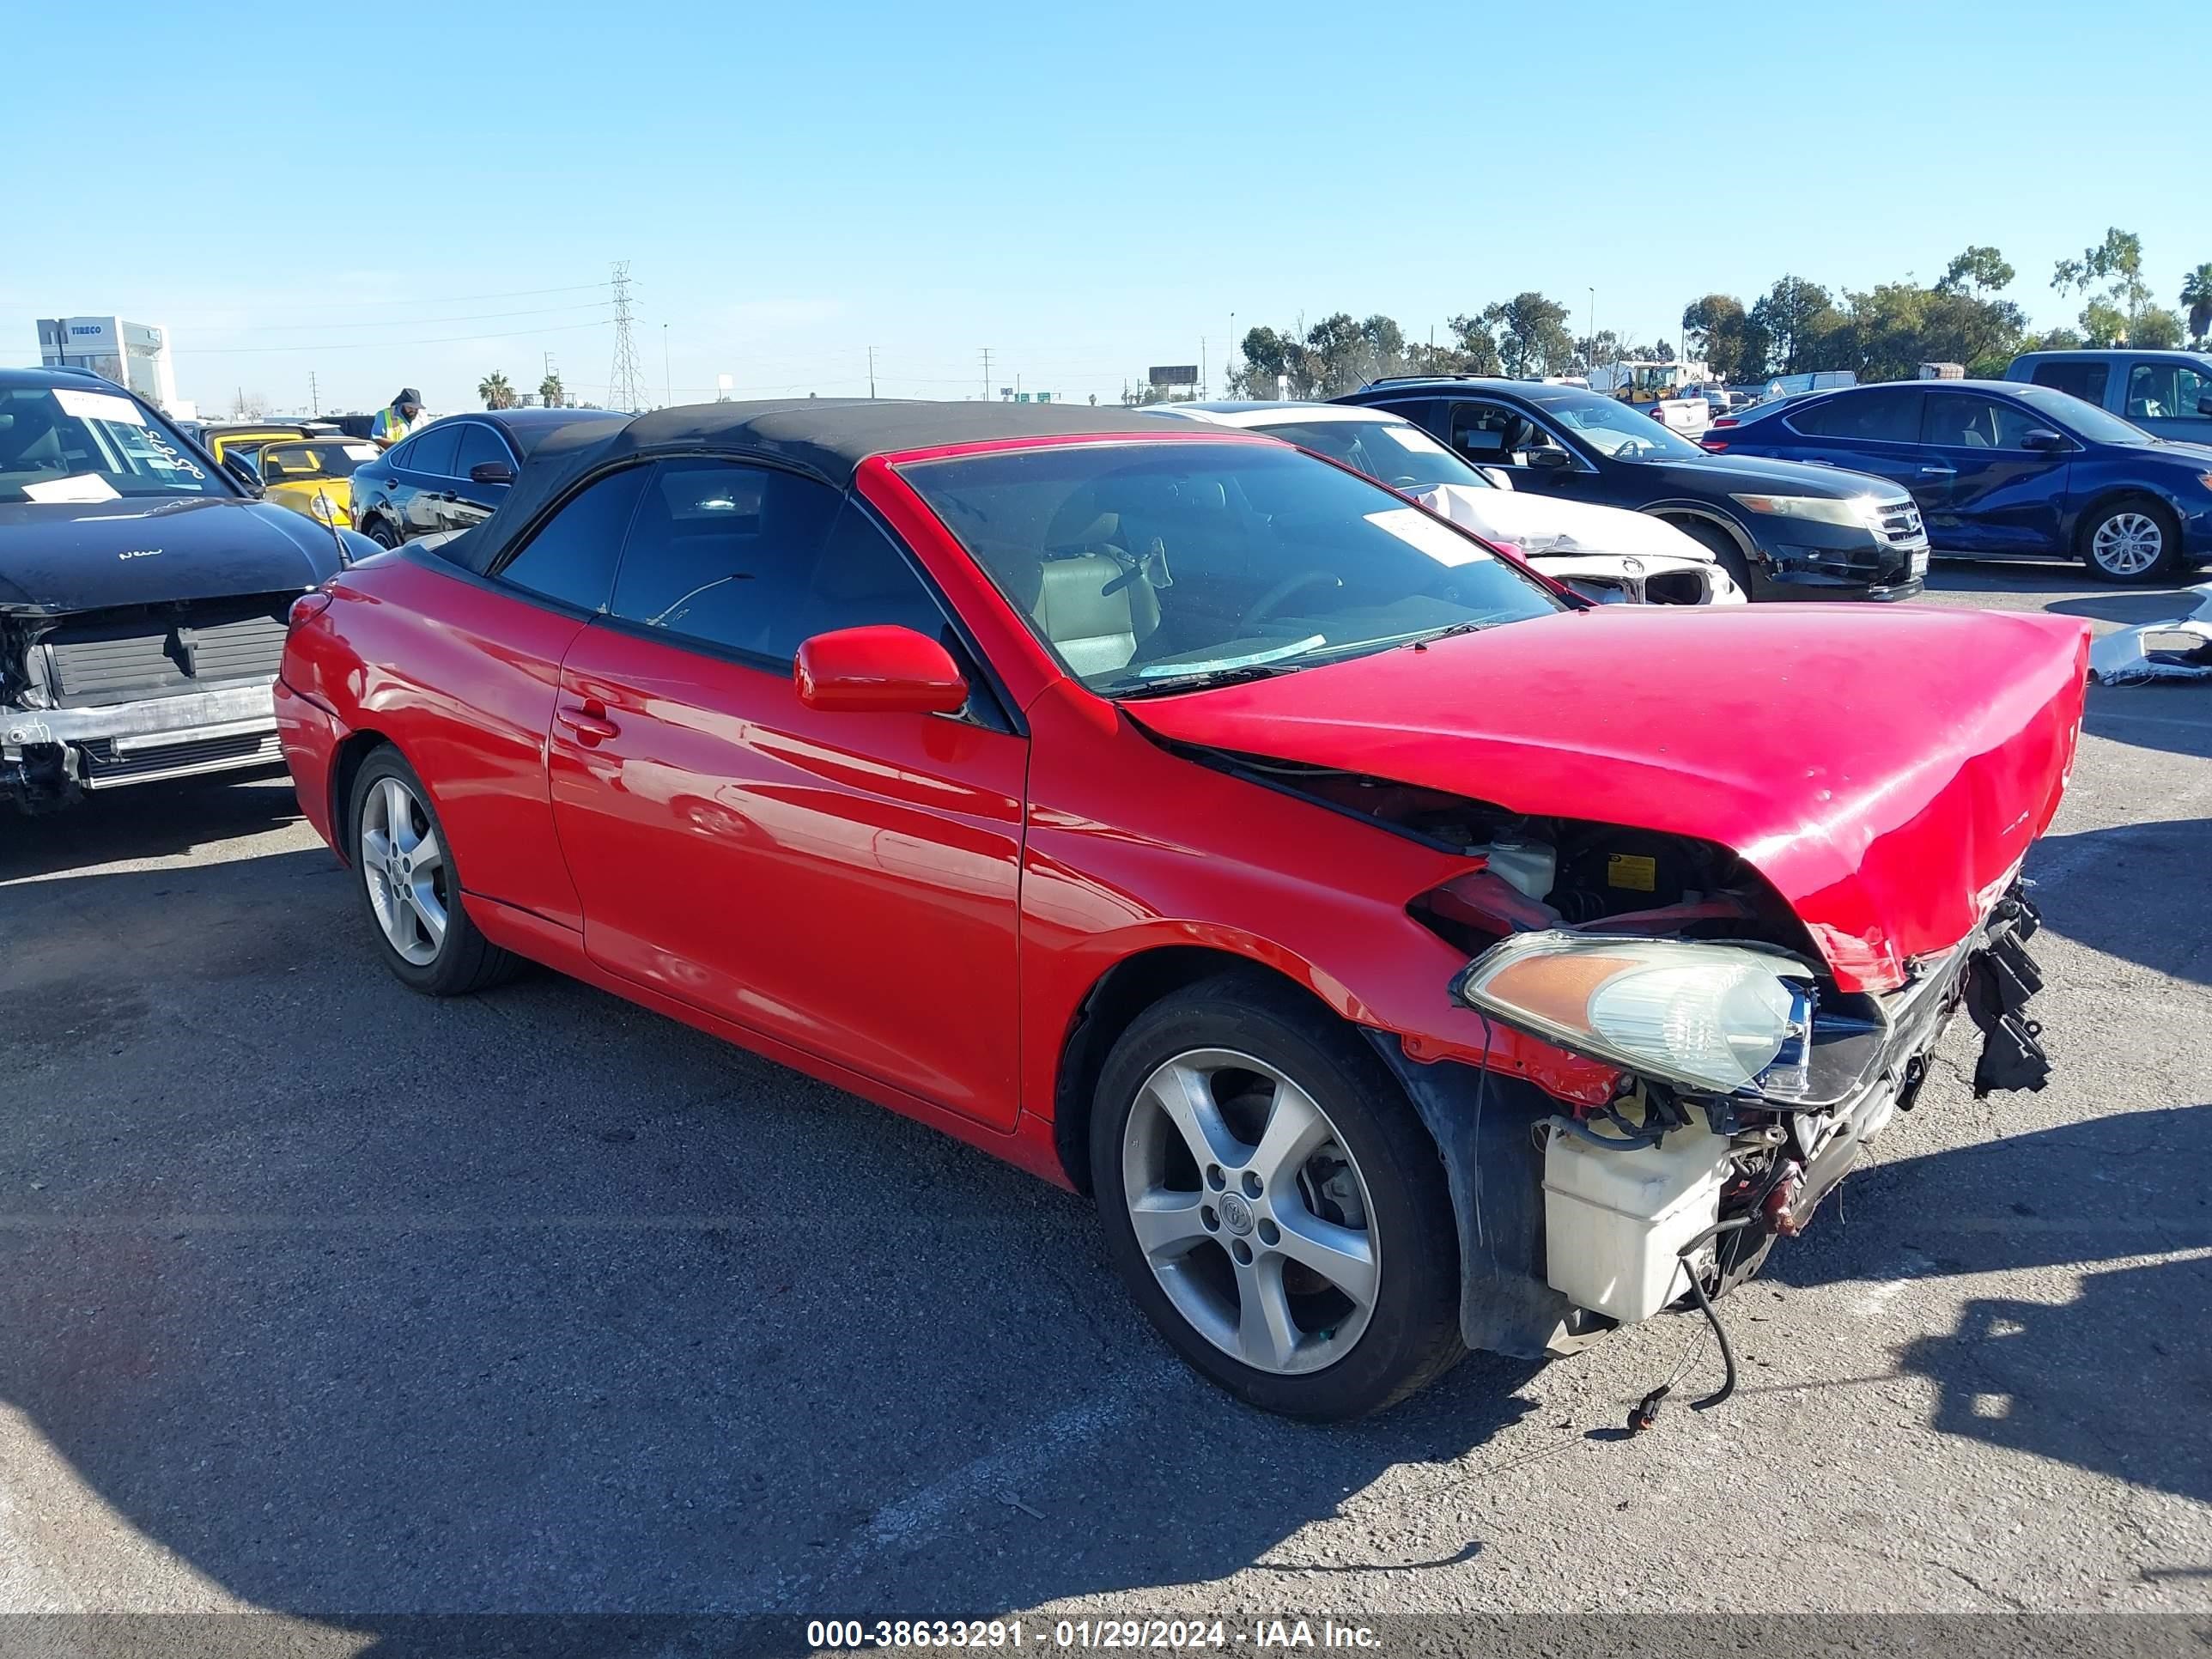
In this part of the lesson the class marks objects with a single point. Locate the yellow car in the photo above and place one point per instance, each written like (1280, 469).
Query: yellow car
(244, 437)
(314, 476)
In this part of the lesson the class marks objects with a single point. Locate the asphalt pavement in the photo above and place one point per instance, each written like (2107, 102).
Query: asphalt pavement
(321, 1298)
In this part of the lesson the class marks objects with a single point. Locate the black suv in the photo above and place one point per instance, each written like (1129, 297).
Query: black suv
(1782, 529)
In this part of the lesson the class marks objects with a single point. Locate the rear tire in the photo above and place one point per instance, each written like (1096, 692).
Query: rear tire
(381, 534)
(1725, 552)
(412, 887)
(2134, 539)
(1316, 1175)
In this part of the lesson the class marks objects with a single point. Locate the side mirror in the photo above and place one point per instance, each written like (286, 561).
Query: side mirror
(878, 670)
(491, 473)
(2044, 439)
(1550, 460)
(241, 472)
(2204, 403)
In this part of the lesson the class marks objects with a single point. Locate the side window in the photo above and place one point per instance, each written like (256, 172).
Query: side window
(1880, 416)
(2165, 391)
(1958, 420)
(432, 451)
(1484, 433)
(479, 444)
(727, 555)
(572, 557)
(2077, 380)
(862, 578)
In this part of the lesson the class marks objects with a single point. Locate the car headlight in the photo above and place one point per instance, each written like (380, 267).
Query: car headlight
(1709, 1018)
(1859, 511)
(320, 508)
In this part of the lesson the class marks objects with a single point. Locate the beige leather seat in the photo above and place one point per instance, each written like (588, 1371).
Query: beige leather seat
(1095, 632)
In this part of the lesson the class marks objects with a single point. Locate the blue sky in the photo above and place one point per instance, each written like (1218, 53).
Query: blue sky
(414, 194)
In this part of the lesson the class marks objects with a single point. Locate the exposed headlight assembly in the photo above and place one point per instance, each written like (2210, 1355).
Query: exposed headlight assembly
(1704, 1018)
(1859, 511)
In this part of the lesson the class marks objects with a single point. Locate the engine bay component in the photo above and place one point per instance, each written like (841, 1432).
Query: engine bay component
(1617, 1220)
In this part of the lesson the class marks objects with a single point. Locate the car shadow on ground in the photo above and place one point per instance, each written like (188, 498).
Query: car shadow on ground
(2034, 583)
(2158, 924)
(357, 1301)
(2078, 1380)
(147, 821)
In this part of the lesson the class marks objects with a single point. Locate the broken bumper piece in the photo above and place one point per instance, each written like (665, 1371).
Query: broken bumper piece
(2177, 650)
(47, 754)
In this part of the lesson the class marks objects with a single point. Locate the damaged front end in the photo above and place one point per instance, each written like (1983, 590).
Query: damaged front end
(136, 694)
(1710, 1082)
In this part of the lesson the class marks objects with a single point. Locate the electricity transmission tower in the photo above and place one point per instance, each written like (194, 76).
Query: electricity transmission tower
(626, 385)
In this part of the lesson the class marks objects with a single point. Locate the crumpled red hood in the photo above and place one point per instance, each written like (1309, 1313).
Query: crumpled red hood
(1884, 767)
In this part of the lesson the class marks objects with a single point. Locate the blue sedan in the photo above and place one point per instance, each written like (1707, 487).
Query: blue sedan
(2004, 470)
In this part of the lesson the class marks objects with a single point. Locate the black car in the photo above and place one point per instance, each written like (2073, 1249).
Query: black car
(143, 591)
(451, 474)
(1783, 529)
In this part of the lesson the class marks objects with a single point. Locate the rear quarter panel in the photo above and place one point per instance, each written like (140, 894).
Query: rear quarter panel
(461, 676)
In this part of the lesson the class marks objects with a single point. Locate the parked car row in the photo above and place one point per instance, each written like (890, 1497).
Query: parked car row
(1779, 528)
(1406, 953)
(2003, 469)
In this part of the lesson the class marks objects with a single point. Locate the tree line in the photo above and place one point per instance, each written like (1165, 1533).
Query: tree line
(1883, 333)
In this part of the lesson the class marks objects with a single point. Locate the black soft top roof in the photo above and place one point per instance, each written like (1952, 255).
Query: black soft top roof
(826, 437)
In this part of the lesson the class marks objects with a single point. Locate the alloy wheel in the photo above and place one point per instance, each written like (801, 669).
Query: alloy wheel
(2128, 545)
(404, 867)
(1251, 1212)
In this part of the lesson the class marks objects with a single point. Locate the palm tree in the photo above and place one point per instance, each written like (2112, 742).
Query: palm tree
(549, 392)
(495, 391)
(2197, 295)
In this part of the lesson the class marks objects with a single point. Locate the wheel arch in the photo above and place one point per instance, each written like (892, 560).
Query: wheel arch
(1676, 513)
(2102, 499)
(1132, 984)
(346, 762)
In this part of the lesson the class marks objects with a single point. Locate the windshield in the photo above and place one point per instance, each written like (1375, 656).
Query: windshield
(2084, 420)
(311, 462)
(1620, 431)
(1397, 451)
(1153, 567)
(60, 444)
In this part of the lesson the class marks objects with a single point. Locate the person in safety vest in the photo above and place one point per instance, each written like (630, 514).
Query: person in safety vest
(403, 416)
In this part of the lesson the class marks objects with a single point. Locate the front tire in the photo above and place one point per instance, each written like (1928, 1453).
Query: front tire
(1274, 1204)
(410, 887)
(2133, 540)
(1724, 550)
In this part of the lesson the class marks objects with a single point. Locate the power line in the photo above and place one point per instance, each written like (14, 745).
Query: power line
(442, 300)
(627, 379)
(411, 322)
(384, 345)
(986, 374)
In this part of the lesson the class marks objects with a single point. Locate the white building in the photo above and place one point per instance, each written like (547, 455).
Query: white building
(135, 354)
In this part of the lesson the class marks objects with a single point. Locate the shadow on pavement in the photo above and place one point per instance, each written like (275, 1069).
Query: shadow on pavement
(2135, 911)
(154, 820)
(2112, 1380)
(355, 1300)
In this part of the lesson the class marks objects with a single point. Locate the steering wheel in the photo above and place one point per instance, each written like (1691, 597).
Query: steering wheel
(1265, 606)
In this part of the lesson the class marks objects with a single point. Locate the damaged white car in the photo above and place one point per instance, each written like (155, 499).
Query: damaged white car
(1607, 554)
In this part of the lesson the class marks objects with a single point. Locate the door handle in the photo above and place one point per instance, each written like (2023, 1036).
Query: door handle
(1939, 471)
(590, 723)
(447, 495)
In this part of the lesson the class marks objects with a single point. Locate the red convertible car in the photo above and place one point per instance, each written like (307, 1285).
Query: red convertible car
(1408, 954)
